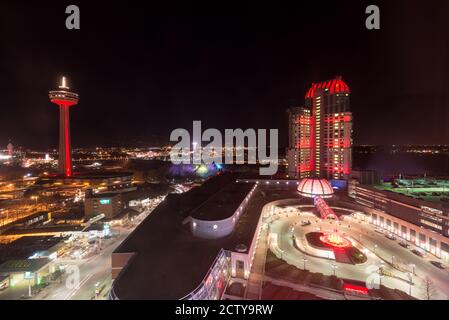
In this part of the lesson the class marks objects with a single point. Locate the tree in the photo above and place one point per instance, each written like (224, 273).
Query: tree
(429, 287)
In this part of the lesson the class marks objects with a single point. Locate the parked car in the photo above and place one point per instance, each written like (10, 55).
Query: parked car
(437, 264)
(3, 286)
(305, 223)
(418, 252)
(390, 236)
(404, 244)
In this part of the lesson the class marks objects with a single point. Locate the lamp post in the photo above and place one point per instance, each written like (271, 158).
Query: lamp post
(282, 254)
(413, 266)
(334, 268)
(392, 260)
(29, 276)
(29, 288)
(304, 260)
(35, 200)
(375, 247)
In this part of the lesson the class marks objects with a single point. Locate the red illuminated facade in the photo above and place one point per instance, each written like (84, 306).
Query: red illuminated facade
(64, 99)
(320, 133)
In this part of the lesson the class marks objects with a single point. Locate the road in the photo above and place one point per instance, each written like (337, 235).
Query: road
(96, 269)
(385, 249)
(403, 257)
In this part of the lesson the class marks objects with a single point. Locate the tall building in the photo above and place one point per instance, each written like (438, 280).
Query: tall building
(299, 154)
(64, 99)
(320, 133)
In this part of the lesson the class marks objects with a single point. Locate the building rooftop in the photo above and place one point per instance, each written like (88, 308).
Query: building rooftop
(101, 175)
(26, 247)
(170, 262)
(94, 175)
(436, 191)
(23, 265)
(104, 195)
(224, 203)
(336, 85)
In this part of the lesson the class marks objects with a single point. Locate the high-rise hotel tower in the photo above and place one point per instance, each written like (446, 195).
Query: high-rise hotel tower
(320, 133)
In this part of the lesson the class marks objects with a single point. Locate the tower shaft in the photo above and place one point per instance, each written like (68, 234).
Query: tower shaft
(65, 147)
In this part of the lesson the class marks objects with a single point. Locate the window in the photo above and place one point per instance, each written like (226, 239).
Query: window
(422, 237)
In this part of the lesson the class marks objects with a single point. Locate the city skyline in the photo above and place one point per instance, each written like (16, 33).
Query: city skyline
(242, 67)
(248, 154)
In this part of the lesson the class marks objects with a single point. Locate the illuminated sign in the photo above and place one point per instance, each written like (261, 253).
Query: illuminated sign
(105, 201)
(356, 289)
(28, 275)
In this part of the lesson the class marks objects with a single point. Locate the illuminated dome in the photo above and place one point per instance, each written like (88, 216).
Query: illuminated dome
(336, 85)
(311, 187)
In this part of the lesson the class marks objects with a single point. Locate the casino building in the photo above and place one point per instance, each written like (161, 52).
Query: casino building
(196, 255)
(320, 133)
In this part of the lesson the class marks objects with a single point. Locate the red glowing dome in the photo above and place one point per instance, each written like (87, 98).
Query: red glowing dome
(312, 187)
(336, 85)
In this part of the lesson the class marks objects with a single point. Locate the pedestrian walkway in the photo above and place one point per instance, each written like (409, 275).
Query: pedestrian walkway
(256, 276)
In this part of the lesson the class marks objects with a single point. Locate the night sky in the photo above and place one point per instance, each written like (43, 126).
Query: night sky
(144, 70)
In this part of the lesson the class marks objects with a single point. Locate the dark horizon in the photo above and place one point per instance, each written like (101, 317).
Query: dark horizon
(144, 71)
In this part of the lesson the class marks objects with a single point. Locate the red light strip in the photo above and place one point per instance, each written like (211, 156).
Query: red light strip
(357, 289)
(68, 160)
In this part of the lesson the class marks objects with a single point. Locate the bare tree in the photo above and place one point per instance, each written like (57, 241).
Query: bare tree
(429, 287)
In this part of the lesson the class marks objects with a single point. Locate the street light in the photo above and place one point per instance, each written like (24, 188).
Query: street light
(392, 260)
(35, 199)
(304, 260)
(380, 278)
(413, 266)
(375, 247)
(334, 268)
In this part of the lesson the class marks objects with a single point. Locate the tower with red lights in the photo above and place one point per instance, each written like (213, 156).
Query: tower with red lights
(64, 99)
(320, 133)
